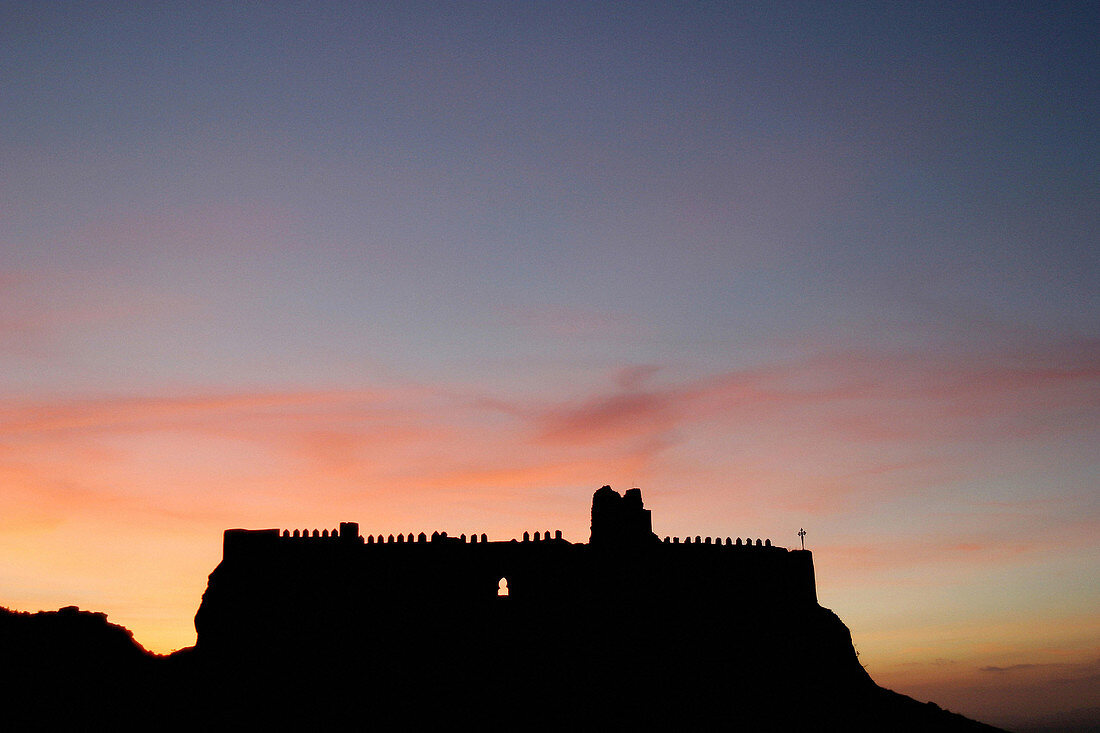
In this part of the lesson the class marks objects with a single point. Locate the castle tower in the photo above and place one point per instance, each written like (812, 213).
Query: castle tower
(620, 520)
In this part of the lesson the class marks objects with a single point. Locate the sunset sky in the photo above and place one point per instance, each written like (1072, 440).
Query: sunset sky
(454, 266)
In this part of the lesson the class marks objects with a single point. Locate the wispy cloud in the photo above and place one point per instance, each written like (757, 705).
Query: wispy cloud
(836, 413)
(1054, 672)
(1013, 668)
(866, 419)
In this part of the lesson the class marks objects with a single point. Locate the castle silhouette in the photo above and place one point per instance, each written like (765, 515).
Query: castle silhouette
(330, 585)
(308, 631)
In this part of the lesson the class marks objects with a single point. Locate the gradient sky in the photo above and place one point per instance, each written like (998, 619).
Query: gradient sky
(454, 266)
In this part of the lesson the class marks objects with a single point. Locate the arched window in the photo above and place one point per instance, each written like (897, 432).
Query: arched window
(502, 587)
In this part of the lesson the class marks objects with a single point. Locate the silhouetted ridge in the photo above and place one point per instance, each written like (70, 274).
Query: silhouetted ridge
(67, 637)
(299, 629)
(64, 667)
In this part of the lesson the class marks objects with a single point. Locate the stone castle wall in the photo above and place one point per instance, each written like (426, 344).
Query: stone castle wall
(338, 579)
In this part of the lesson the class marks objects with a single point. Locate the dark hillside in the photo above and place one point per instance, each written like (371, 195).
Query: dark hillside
(309, 630)
(72, 669)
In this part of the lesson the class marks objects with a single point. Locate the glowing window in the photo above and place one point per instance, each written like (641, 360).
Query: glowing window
(502, 587)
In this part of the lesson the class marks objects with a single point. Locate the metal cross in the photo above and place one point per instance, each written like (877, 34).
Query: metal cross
(802, 536)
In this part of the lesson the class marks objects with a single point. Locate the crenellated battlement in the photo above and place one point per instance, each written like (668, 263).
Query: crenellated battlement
(717, 542)
(349, 534)
(384, 575)
(617, 521)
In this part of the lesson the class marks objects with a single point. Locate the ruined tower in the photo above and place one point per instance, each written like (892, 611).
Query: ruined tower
(620, 520)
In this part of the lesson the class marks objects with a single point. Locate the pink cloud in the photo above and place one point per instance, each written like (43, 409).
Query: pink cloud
(614, 417)
(812, 436)
(864, 397)
(813, 429)
(158, 412)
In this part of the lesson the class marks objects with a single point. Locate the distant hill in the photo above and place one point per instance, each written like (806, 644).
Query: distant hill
(68, 638)
(72, 669)
(68, 668)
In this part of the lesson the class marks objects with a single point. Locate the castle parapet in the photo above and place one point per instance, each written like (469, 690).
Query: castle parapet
(239, 542)
(622, 538)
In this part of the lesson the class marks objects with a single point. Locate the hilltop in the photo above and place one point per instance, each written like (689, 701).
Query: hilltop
(625, 631)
